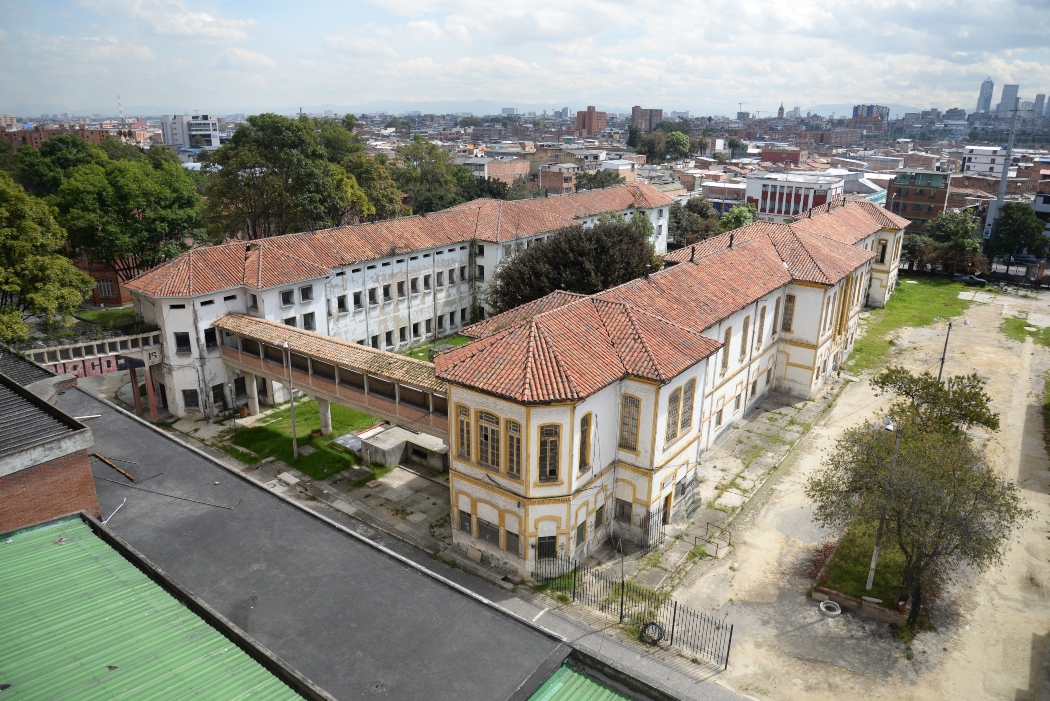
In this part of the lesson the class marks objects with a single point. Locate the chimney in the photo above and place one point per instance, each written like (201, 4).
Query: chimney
(647, 266)
(692, 254)
(731, 235)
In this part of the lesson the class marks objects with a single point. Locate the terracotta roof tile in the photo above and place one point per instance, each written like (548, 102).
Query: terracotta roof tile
(517, 315)
(343, 353)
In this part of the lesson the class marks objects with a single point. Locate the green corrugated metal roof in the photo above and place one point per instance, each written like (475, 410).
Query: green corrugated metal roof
(567, 684)
(79, 621)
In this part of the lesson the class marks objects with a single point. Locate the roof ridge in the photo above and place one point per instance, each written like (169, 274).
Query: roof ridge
(609, 334)
(628, 312)
(562, 371)
(529, 360)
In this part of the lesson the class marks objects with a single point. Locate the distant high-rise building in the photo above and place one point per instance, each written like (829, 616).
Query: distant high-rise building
(780, 112)
(509, 110)
(879, 111)
(182, 130)
(984, 100)
(590, 121)
(869, 118)
(646, 119)
(1038, 106)
(1007, 101)
(743, 116)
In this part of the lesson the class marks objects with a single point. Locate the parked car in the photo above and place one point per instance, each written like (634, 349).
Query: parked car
(1023, 259)
(972, 280)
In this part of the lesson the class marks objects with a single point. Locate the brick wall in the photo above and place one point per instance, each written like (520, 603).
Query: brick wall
(47, 490)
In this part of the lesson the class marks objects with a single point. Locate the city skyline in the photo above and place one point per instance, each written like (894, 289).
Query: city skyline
(702, 57)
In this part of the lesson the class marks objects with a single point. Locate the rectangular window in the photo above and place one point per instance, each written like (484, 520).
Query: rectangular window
(253, 302)
(451, 319)
(452, 276)
(549, 442)
(754, 388)
(414, 285)
(463, 415)
(441, 279)
(308, 322)
(488, 440)
(674, 403)
(306, 293)
(463, 315)
(462, 273)
(761, 329)
(546, 547)
(585, 443)
(743, 336)
(769, 377)
(400, 289)
(290, 321)
(736, 403)
(375, 341)
(389, 339)
(465, 524)
(789, 313)
(386, 293)
(105, 287)
(880, 257)
(426, 282)
(340, 303)
(481, 272)
(623, 511)
(718, 418)
(287, 298)
(182, 343)
(415, 330)
(513, 544)
(488, 532)
(441, 322)
(513, 449)
(357, 300)
(629, 413)
(402, 334)
(190, 399)
(211, 339)
(726, 344)
(688, 395)
(373, 296)
(599, 517)
(581, 533)
(776, 318)
(428, 325)
(480, 249)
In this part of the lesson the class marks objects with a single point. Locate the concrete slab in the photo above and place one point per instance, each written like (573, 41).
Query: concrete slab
(307, 450)
(730, 500)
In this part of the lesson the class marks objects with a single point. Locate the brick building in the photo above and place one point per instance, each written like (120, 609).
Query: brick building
(558, 178)
(590, 122)
(506, 169)
(920, 195)
(646, 119)
(839, 137)
(36, 136)
(108, 290)
(44, 469)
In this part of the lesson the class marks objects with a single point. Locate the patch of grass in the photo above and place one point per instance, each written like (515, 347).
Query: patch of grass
(274, 438)
(696, 553)
(1046, 411)
(910, 306)
(847, 571)
(109, 318)
(241, 455)
(1017, 329)
(420, 352)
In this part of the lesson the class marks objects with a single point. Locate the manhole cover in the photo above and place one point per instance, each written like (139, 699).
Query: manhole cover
(417, 517)
(307, 450)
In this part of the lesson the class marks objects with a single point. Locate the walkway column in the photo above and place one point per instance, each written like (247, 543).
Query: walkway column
(251, 384)
(135, 390)
(153, 415)
(324, 411)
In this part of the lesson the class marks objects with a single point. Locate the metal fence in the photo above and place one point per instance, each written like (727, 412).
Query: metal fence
(653, 533)
(658, 618)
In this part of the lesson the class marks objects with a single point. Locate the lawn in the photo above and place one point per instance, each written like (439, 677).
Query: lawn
(109, 318)
(274, 438)
(912, 305)
(847, 571)
(1018, 327)
(420, 352)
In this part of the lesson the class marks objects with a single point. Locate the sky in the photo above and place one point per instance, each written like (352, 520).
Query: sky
(705, 56)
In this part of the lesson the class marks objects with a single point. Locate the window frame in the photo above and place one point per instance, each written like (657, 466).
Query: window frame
(674, 406)
(463, 432)
(287, 298)
(469, 517)
(760, 329)
(309, 321)
(548, 457)
(306, 293)
(788, 322)
(685, 422)
(584, 453)
(727, 344)
(487, 430)
(513, 442)
(745, 329)
(630, 445)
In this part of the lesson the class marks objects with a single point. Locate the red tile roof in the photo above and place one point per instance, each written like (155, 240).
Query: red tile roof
(294, 257)
(574, 350)
(333, 350)
(515, 316)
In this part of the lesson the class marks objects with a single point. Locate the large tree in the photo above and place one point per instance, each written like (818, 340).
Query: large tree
(958, 243)
(574, 259)
(692, 222)
(598, 179)
(1019, 231)
(678, 145)
(36, 278)
(374, 177)
(273, 178)
(654, 146)
(428, 177)
(740, 215)
(42, 171)
(131, 214)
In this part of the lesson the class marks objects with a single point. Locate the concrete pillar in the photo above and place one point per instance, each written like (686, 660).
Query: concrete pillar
(135, 390)
(251, 384)
(324, 410)
(153, 415)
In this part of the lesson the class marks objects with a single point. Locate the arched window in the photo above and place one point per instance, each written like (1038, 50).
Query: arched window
(760, 331)
(488, 439)
(630, 410)
(585, 443)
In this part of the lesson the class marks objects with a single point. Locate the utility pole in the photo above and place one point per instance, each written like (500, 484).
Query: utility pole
(291, 400)
(1005, 176)
(944, 353)
(882, 519)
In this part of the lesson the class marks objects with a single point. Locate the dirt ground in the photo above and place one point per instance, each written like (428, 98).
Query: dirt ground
(992, 639)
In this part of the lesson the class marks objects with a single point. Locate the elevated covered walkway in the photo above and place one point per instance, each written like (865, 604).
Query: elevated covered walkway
(395, 388)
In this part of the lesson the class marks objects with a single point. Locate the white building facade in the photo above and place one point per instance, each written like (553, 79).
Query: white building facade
(781, 196)
(179, 130)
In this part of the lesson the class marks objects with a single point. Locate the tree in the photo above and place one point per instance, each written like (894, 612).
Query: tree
(677, 145)
(598, 179)
(702, 207)
(654, 146)
(519, 189)
(427, 176)
(36, 278)
(1019, 231)
(470, 122)
(42, 171)
(117, 150)
(698, 145)
(918, 250)
(634, 134)
(8, 159)
(130, 215)
(692, 222)
(734, 143)
(945, 506)
(574, 259)
(740, 215)
(477, 188)
(954, 405)
(374, 177)
(336, 140)
(273, 179)
(539, 124)
(721, 156)
(958, 244)
(197, 141)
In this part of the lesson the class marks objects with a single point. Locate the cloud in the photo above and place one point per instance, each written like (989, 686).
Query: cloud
(235, 58)
(172, 17)
(352, 44)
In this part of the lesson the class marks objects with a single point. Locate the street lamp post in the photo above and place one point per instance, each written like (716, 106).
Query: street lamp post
(944, 353)
(889, 426)
(291, 400)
